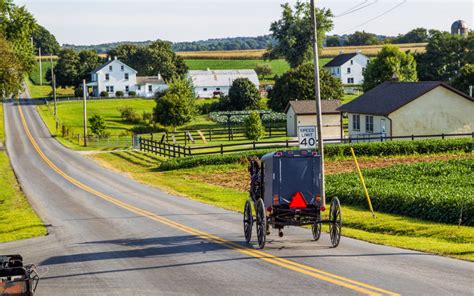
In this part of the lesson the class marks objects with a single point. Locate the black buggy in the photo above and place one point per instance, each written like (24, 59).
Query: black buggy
(285, 191)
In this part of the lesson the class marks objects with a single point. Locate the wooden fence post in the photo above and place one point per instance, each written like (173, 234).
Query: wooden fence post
(254, 145)
(222, 149)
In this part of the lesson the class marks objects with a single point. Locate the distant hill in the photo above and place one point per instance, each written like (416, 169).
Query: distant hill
(218, 44)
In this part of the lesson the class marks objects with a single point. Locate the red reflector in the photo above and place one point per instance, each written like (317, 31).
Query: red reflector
(315, 153)
(269, 209)
(323, 208)
(298, 201)
(278, 154)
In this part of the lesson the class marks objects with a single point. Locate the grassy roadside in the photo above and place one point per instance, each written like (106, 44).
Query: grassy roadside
(386, 229)
(17, 219)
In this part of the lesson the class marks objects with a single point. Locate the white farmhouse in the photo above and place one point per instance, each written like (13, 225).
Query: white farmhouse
(116, 76)
(209, 83)
(348, 68)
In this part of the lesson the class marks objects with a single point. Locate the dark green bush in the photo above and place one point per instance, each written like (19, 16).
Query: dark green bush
(104, 94)
(119, 93)
(132, 93)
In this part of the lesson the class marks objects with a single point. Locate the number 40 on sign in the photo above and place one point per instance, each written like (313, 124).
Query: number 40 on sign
(307, 137)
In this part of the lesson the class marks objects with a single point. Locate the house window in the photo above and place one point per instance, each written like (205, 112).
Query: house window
(111, 89)
(107, 76)
(122, 68)
(356, 122)
(337, 70)
(348, 70)
(107, 89)
(350, 80)
(110, 68)
(369, 124)
(139, 87)
(204, 89)
(150, 88)
(352, 62)
(218, 88)
(126, 76)
(126, 88)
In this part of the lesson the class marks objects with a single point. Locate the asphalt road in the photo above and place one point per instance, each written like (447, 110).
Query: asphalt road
(109, 235)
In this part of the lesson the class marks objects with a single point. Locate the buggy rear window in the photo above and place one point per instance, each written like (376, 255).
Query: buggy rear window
(298, 174)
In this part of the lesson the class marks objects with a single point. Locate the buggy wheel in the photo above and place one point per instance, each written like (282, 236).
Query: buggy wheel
(248, 221)
(335, 220)
(261, 223)
(316, 227)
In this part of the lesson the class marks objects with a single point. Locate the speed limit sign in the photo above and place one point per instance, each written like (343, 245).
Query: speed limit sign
(307, 137)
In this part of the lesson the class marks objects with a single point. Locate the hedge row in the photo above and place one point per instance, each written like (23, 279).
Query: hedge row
(437, 191)
(362, 149)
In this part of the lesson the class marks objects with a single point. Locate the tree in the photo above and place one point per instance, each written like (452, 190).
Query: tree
(263, 70)
(175, 106)
(254, 129)
(390, 62)
(43, 39)
(11, 70)
(445, 55)
(298, 84)
(332, 41)
(293, 33)
(88, 61)
(97, 125)
(67, 69)
(243, 95)
(417, 35)
(156, 58)
(465, 78)
(362, 38)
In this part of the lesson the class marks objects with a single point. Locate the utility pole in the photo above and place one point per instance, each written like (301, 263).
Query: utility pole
(53, 84)
(470, 90)
(41, 68)
(84, 91)
(317, 95)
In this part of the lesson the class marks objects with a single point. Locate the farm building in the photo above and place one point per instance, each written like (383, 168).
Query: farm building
(301, 113)
(348, 68)
(116, 76)
(210, 83)
(410, 108)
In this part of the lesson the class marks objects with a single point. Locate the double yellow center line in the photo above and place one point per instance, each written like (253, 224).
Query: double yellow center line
(291, 265)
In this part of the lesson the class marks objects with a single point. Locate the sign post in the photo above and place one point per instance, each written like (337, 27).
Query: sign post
(307, 137)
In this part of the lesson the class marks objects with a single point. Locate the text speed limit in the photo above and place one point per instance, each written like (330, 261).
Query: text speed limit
(307, 137)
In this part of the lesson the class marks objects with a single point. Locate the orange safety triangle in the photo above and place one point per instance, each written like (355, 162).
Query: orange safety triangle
(298, 201)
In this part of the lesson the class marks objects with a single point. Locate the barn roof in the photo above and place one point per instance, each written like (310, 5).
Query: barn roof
(213, 78)
(308, 107)
(390, 96)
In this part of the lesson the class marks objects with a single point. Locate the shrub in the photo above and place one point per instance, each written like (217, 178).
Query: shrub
(147, 116)
(254, 129)
(129, 114)
(243, 95)
(97, 125)
(104, 94)
(119, 93)
(132, 93)
(78, 92)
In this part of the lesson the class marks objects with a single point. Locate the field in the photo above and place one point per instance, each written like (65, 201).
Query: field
(327, 52)
(212, 184)
(17, 219)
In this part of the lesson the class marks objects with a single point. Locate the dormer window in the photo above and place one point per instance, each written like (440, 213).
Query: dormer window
(110, 68)
(107, 77)
(126, 76)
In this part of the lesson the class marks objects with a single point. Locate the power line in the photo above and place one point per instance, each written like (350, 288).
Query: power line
(376, 17)
(357, 8)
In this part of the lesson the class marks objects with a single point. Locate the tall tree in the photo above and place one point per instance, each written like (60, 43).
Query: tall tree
(362, 38)
(243, 95)
(465, 78)
(445, 55)
(158, 57)
(175, 106)
(67, 69)
(332, 41)
(417, 35)
(390, 62)
(298, 84)
(293, 33)
(43, 39)
(11, 70)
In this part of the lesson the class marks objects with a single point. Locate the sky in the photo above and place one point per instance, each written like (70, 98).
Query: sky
(102, 21)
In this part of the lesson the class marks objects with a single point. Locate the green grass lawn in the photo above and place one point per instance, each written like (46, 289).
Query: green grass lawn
(17, 219)
(278, 66)
(35, 74)
(387, 229)
(44, 91)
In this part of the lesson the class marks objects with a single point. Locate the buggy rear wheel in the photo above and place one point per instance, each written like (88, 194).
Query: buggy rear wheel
(316, 228)
(335, 222)
(248, 221)
(261, 223)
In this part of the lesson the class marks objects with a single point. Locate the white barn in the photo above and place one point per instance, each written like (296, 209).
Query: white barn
(348, 68)
(209, 83)
(116, 76)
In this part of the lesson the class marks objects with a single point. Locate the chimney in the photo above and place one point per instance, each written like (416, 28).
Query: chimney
(109, 58)
(115, 57)
(159, 76)
(395, 78)
(341, 52)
